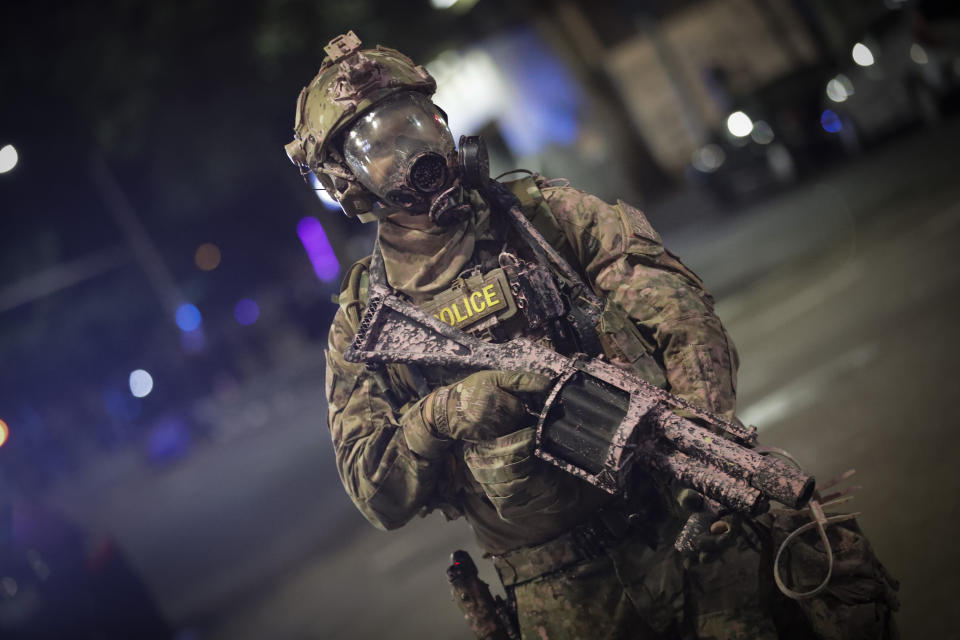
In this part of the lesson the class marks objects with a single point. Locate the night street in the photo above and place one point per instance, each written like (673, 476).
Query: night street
(848, 359)
(176, 225)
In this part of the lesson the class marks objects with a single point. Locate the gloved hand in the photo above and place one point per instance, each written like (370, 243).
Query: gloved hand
(721, 535)
(484, 405)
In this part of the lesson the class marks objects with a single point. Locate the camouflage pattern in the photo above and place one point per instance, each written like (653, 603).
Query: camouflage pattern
(624, 258)
(616, 250)
(660, 322)
(858, 602)
(346, 86)
(640, 593)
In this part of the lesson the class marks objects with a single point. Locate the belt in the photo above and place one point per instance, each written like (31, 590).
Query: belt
(586, 541)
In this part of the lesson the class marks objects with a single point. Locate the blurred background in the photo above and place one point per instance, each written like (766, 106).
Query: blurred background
(166, 275)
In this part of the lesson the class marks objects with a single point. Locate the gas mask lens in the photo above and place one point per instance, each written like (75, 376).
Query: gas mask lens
(399, 150)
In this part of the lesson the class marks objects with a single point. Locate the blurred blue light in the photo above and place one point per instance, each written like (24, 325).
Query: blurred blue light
(314, 240)
(246, 312)
(830, 121)
(168, 440)
(188, 317)
(545, 98)
(121, 406)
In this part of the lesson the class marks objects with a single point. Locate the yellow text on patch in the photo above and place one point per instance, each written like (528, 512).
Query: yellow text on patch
(478, 301)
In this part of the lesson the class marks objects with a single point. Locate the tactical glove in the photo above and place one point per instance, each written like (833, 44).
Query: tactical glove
(484, 405)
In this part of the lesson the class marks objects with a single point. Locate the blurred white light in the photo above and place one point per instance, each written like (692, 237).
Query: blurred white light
(328, 200)
(762, 132)
(739, 124)
(708, 158)
(835, 91)
(442, 4)
(141, 383)
(472, 89)
(862, 55)
(918, 54)
(8, 158)
(839, 88)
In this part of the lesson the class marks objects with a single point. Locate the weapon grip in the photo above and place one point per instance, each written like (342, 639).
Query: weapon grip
(697, 524)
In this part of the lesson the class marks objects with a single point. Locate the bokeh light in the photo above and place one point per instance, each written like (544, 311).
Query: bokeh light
(918, 54)
(188, 317)
(8, 158)
(739, 124)
(457, 6)
(328, 200)
(839, 88)
(830, 121)
(535, 105)
(207, 256)
(708, 158)
(862, 55)
(168, 440)
(762, 132)
(246, 312)
(4, 433)
(141, 383)
(314, 240)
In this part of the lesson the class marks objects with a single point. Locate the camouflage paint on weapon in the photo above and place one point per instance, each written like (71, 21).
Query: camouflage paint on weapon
(637, 422)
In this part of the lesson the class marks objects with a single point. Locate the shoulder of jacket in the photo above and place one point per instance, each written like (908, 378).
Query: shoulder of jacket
(534, 203)
(582, 209)
(353, 290)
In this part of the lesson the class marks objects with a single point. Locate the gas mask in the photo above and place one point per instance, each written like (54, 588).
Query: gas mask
(403, 152)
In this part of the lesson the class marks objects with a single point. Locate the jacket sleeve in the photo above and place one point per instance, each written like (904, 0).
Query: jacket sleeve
(624, 259)
(387, 460)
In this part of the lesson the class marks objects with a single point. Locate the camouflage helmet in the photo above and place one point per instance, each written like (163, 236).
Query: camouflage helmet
(349, 83)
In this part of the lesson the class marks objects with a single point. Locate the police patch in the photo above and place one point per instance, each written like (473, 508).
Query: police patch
(470, 300)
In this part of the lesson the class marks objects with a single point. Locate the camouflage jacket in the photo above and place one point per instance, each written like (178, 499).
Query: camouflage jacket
(620, 255)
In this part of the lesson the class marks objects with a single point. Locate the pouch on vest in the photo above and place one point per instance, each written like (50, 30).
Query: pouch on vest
(623, 344)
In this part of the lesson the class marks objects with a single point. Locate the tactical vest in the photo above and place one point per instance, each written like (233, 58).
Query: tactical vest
(615, 334)
(469, 305)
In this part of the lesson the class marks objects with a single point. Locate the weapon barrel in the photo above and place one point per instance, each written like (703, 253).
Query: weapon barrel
(773, 477)
(729, 491)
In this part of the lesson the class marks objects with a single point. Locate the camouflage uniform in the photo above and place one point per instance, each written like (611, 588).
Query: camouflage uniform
(578, 562)
(515, 501)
